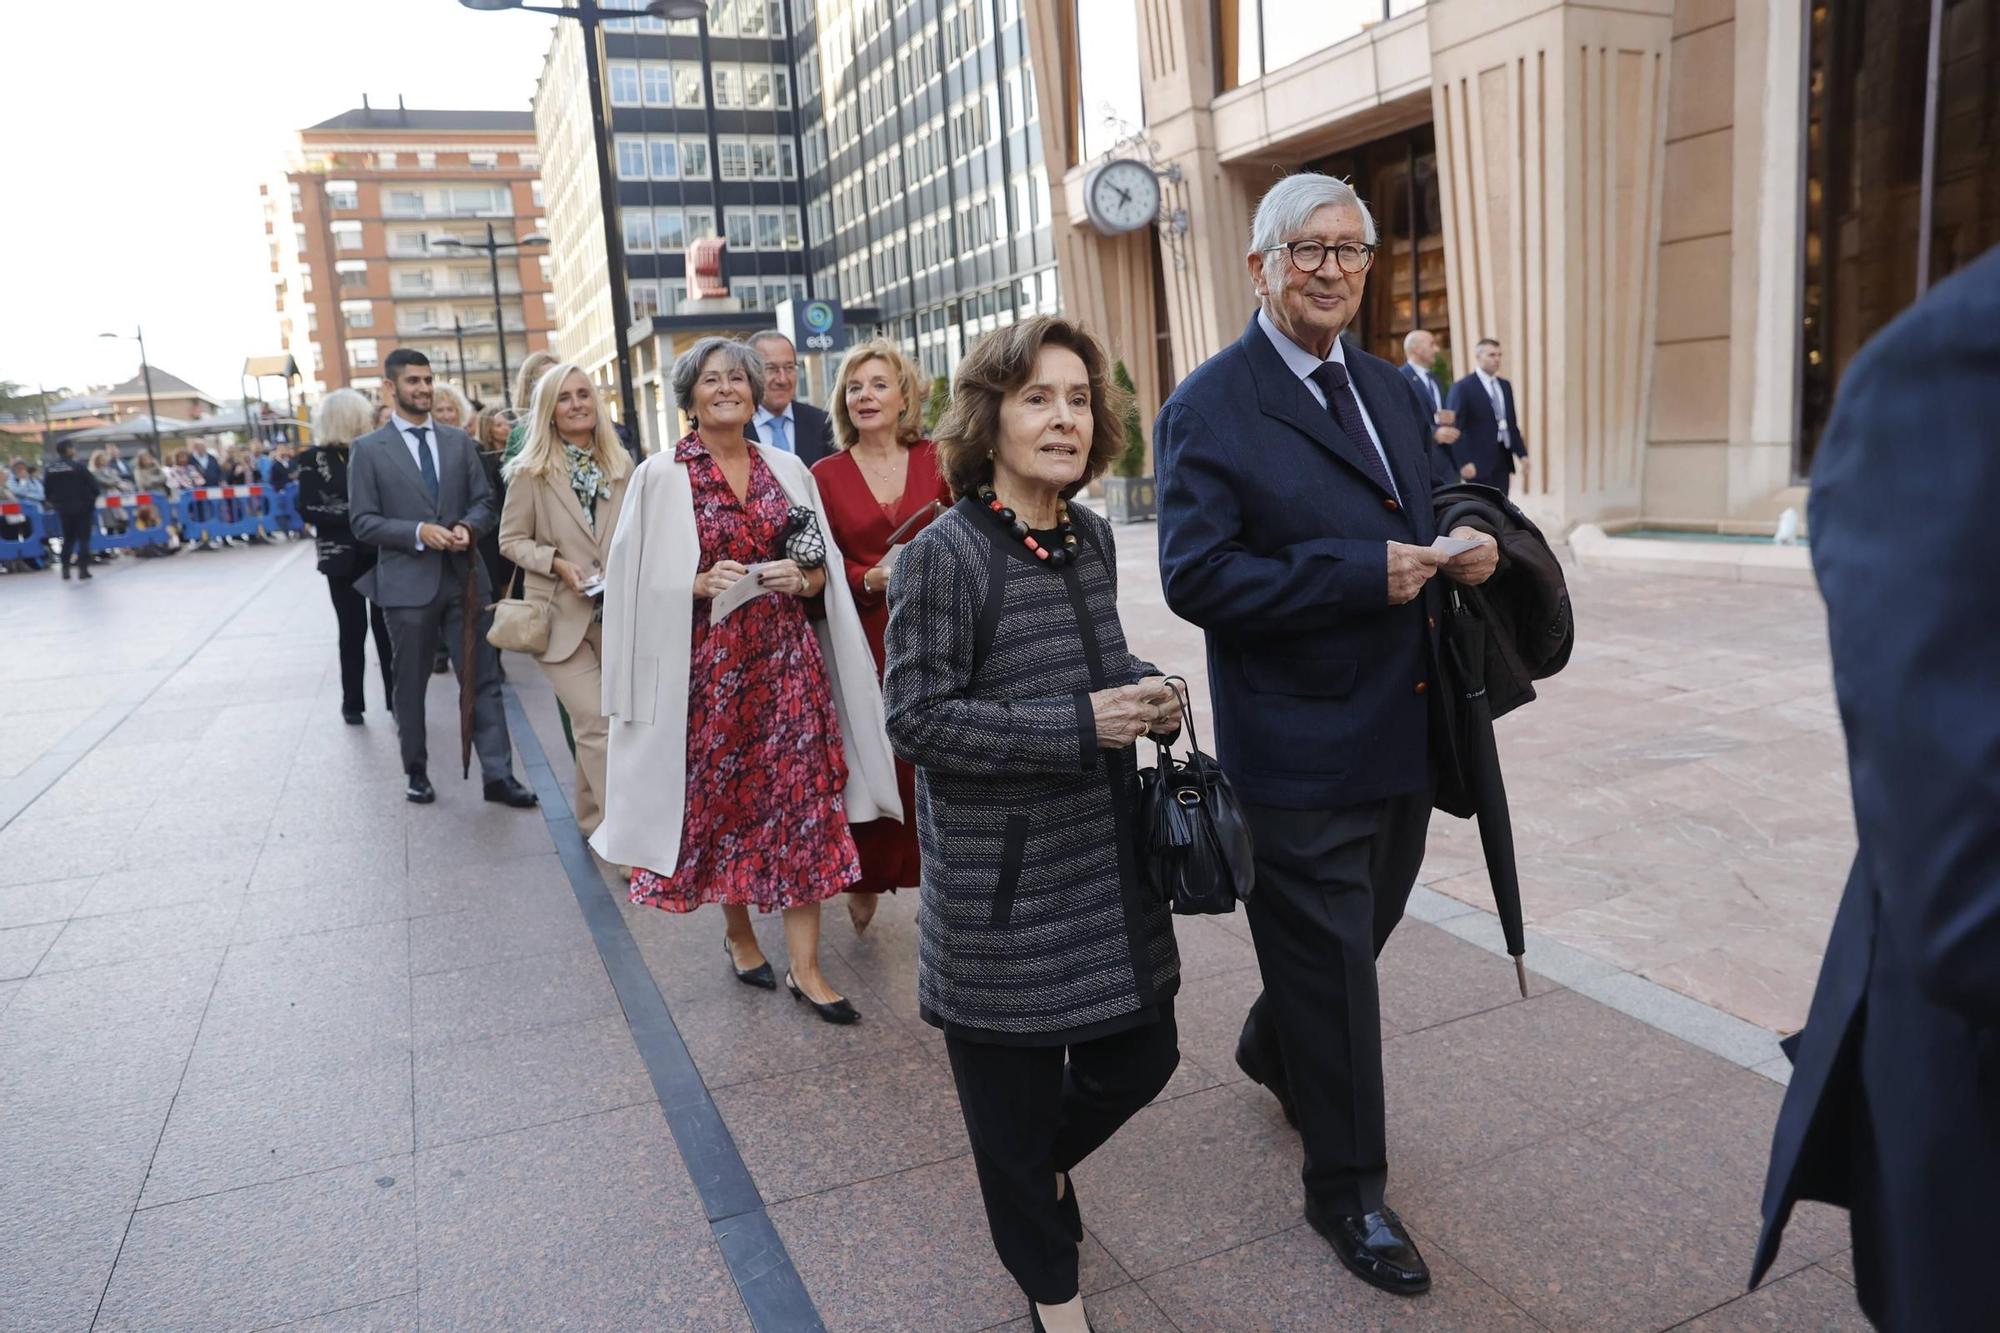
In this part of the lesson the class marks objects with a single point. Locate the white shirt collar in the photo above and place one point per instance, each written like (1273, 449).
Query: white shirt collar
(405, 425)
(1488, 380)
(1301, 362)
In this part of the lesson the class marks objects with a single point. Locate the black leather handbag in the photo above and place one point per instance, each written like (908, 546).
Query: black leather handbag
(1195, 848)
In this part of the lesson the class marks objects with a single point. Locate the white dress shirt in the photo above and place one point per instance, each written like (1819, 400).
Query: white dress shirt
(1303, 363)
(1428, 383)
(786, 440)
(408, 430)
(1491, 383)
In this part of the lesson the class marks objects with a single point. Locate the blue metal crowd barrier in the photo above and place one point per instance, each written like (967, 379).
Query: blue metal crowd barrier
(215, 513)
(111, 535)
(284, 512)
(23, 531)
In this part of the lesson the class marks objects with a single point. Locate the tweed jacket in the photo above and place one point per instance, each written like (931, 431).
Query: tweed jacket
(1035, 928)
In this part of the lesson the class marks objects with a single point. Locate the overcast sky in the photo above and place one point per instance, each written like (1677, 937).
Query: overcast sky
(134, 134)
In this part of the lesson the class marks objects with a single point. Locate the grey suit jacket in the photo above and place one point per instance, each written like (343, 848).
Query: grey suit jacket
(387, 499)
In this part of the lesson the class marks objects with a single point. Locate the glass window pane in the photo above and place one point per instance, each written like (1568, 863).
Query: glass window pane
(687, 86)
(669, 230)
(631, 159)
(666, 159)
(694, 159)
(624, 84)
(638, 231)
(658, 81)
(741, 234)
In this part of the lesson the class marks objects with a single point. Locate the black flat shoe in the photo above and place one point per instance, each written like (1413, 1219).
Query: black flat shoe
(759, 976)
(352, 719)
(419, 790)
(839, 1012)
(1376, 1249)
(510, 791)
(1264, 1079)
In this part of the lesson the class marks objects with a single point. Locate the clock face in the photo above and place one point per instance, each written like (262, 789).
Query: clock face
(1123, 196)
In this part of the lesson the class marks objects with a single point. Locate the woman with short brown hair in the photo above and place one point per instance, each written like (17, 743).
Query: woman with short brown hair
(1048, 964)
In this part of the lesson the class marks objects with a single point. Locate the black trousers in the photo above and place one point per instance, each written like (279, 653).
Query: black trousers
(1031, 1113)
(416, 634)
(357, 616)
(76, 534)
(1331, 885)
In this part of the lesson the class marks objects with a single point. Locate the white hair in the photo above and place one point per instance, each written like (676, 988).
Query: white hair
(1289, 205)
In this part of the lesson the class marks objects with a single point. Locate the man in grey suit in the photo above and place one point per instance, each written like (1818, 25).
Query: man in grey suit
(416, 491)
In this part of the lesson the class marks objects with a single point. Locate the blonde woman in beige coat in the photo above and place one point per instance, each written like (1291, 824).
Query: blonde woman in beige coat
(564, 491)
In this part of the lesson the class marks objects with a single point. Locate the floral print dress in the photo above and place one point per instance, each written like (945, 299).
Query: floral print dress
(765, 826)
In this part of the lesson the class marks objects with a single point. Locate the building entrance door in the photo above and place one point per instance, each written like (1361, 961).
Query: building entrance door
(1398, 178)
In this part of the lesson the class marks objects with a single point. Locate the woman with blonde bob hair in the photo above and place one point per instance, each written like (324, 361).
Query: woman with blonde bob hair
(564, 492)
(880, 490)
(342, 417)
(449, 405)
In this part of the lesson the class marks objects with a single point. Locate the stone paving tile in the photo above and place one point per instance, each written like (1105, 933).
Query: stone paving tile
(43, 901)
(1427, 977)
(1570, 1056)
(1444, 1115)
(1189, 1178)
(498, 998)
(470, 1089)
(1291, 1283)
(102, 1036)
(1809, 1299)
(397, 1314)
(512, 929)
(183, 928)
(822, 1128)
(1580, 1238)
(162, 882)
(911, 1251)
(269, 1253)
(490, 835)
(329, 868)
(59, 849)
(53, 1269)
(309, 909)
(619, 1239)
(1126, 1309)
(441, 889)
(245, 1122)
(22, 948)
(1207, 947)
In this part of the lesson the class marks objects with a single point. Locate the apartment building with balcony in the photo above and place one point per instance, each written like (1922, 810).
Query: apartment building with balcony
(354, 225)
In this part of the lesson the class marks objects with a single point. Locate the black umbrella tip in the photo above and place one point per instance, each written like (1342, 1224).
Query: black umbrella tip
(1521, 975)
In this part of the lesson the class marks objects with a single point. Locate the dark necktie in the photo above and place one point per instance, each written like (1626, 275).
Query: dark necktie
(424, 463)
(1331, 376)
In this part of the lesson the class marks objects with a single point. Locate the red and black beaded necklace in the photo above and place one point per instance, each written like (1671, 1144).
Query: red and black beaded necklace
(1062, 555)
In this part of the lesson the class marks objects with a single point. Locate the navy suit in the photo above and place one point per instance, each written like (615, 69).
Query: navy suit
(1479, 433)
(1422, 383)
(1894, 1105)
(1273, 538)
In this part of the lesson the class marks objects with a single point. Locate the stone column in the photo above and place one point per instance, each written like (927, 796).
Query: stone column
(1551, 122)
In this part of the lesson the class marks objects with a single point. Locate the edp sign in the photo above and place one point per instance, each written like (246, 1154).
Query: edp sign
(813, 326)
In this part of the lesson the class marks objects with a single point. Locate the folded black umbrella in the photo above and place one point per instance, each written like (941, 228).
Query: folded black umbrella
(1481, 789)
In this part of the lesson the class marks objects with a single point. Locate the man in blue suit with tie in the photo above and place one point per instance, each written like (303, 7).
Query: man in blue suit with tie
(1420, 351)
(1893, 1111)
(1295, 528)
(1490, 444)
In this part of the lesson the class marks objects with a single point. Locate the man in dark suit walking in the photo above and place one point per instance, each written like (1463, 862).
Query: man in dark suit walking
(784, 420)
(1893, 1111)
(1295, 528)
(417, 491)
(1490, 444)
(1420, 351)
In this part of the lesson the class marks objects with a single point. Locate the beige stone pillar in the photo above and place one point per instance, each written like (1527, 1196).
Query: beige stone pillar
(1551, 121)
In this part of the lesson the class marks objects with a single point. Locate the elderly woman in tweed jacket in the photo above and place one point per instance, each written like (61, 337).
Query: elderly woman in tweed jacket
(1010, 688)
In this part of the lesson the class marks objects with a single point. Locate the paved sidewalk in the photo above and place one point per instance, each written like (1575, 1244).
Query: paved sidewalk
(278, 1048)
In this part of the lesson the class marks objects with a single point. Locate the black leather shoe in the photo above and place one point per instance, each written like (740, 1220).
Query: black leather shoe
(510, 791)
(1257, 1074)
(351, 716)
(839, 1012)
(419, 791)
(759, 976)
(1376, 1249)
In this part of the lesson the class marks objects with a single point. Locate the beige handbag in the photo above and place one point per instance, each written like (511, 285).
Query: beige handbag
(521, 625)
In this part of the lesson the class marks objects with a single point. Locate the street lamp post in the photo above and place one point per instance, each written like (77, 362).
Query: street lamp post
(493, 246)
(146, 374)
(458, 332)
(589, 14)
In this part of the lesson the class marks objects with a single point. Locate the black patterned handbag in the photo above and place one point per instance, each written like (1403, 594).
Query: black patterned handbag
(1195, 848)
(803, 543)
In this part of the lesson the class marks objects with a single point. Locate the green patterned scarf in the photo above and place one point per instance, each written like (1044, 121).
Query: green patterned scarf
(586, 478)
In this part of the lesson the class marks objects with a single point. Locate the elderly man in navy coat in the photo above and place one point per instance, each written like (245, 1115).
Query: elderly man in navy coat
(1295, 528)
(1894, 1106)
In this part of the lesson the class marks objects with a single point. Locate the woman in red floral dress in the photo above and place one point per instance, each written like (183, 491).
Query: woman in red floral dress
(765, 823)
(884, 477)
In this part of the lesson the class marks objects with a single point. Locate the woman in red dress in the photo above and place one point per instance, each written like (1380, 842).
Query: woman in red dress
(884, 484)
(760, 798)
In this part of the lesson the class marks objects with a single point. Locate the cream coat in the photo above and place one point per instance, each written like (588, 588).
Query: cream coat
(648, 618)
(543, 520)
